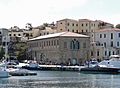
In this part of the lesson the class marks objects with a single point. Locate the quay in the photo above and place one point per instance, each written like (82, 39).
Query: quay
(55, 68)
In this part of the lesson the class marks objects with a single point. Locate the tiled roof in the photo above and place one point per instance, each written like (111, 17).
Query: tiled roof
(65, 34)
(85, 20)
(109, 29)
(67, 19)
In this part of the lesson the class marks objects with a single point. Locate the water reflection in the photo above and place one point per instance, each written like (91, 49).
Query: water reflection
(58, 79)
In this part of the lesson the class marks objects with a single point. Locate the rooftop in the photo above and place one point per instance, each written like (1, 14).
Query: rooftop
(65, 34)
(85, 20)
(109, 30)
(67, 19)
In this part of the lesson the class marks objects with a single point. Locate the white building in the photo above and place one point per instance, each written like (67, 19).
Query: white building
(107, 42)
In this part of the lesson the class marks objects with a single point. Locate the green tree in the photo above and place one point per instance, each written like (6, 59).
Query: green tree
(118, 26)
(2, 53)
(21, 51)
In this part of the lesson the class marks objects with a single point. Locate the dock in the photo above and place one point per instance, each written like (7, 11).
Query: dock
(55, 68)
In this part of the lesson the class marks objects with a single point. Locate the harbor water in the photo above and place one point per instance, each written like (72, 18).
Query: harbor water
(62, 79)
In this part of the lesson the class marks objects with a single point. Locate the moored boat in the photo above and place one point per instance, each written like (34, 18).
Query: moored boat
(106, 66)
(4, 73)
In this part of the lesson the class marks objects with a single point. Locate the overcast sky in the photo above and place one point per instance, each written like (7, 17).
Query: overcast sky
(20, 12)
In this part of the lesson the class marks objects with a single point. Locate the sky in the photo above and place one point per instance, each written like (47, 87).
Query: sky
(37, 12)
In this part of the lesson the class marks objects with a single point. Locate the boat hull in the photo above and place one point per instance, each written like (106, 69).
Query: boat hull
(4, 74)
(100, 70)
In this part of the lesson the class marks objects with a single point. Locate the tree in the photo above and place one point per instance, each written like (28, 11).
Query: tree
(29, 26)
(118, 26)
(2, 53)
(45, 24)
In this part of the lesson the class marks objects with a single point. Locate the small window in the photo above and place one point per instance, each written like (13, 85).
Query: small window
(97, 53)
(109, 53)
(76, 24)
(104, 44)
(72, 30)
(113, 53)
(76, 31)
(82, 31)
(111, 35)
(100, 35)
(91, 24)
(105, 53)
(91, 53)
(86, 24)
(54, 42)
(19, 35)
(14, 34)
(111, 43)
(9, 34)
(61, 29)
(65, 44)
(49, 43)
(104, 35)
(61, 23)
(119, 35)
(73, 24)
(44, 43)
(68, 24)
(57, 42)
(117, 43)
(77, 45)
(82, 24)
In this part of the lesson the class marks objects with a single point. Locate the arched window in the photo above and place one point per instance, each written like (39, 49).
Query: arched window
(74, 44)
(77, 45)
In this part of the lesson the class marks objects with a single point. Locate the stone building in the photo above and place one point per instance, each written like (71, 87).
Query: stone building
(65, 47)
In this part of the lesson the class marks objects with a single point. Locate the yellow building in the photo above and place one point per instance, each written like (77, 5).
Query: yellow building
(67, 25)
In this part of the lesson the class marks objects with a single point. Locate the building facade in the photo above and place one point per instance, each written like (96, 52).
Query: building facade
(67, 25)
(21, 35)
(107, 42)
(60, 48)
(82, 26)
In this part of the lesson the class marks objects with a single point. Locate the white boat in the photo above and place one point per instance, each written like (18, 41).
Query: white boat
(112, 62)
(16, 70)
(32, 65)
(112, 65)
(4, 73)
(91, 64)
